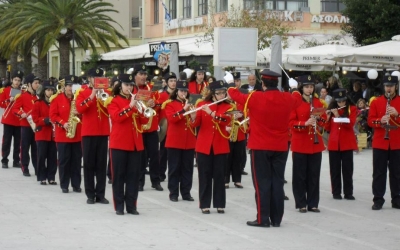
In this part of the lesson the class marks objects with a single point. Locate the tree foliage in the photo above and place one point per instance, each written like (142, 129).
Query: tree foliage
(264, 20)
(372, 21)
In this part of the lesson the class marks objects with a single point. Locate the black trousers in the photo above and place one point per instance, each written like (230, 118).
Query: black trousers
(267, 171)
(180, 172)
(306, 173)
(382, 159)
(47, 160)
(95, 150)
(235, 161)
(341, 162)
(9, 132)
(211, 179)
(28, 142)
(150, 141)
(109, 169)
(163, 159)
(69, 161)
(125, 169)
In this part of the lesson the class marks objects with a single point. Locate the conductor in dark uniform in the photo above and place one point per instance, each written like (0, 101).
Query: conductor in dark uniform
(268, 144)
(384, 118)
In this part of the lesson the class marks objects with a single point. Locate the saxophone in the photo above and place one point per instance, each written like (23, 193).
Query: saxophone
(73, 120)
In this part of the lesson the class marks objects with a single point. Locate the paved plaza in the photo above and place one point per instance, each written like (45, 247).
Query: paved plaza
(42, 217)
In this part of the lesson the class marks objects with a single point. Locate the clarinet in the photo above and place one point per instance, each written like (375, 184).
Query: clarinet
(316, 141)
(387, 113)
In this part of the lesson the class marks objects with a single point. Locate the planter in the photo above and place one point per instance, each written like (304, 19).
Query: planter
(362, 141)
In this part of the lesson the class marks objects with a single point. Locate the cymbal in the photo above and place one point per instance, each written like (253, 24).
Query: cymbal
(163, 124)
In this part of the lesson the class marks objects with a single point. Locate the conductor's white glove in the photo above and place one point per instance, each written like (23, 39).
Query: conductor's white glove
(293, 83)
(228, 77)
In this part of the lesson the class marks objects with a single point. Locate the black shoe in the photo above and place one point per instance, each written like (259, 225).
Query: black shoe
(90, 201)
(244, 172)
(220, 210)
(77, 190)
(109, 181)
(238, 185)
(4, 165)
(205, 210)
(337, 197)
(65, 190)
(395, 205)
(119, 212)
(16, 165)
(157, 187)
(349, 197)
(377, 206)
(286, 198)
(162, 178)
(27, 174)
(134, 212)
(52, 183)
(102, 200)
(303, 210)
(275, 224)
(188, 198)
(140, 188)
(256, 224)
(314, 209)
(174, 199)
(43, 183)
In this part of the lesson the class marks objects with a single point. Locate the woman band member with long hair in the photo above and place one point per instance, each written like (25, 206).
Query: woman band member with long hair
(180, 143)
(44, 136)
(212, 147)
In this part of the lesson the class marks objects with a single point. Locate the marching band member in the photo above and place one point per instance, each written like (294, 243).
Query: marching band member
(268, 143)
(180, 143)
(150, 134)
(64, 117)
(170, 79)
(384, 119)
(95, 132)
(11, 124)
(126, 145)
(237, 155)
(197, 81)
(212, 147)
(22, 109)
(341, 144)
(114, 81)
(46, 146)
(307, 147)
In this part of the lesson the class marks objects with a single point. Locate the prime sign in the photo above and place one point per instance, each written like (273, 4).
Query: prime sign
(329, 19)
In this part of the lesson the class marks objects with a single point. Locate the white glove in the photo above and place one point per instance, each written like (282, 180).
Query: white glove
(293, 83)
(228, 77)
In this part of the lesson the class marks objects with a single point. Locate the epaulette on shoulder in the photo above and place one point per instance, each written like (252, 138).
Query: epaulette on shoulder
(371, 100)
(53, 97)
(1, 90)
(316, 95)
(108, 101)
(324, 103)
(17, 96)
(198, 101)
(165, 103)
(77, 92)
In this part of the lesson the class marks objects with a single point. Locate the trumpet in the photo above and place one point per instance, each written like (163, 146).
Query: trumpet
(316, 141)
(24, 87)
(102, 95)
(143, 109)
(60, 86)
(197, 109)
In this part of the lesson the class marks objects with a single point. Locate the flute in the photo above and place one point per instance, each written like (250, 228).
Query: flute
(329, 110)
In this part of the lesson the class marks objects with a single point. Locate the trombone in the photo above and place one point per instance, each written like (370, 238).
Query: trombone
(197, 109)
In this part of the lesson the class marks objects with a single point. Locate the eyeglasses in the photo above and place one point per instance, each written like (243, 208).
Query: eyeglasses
(220, 93)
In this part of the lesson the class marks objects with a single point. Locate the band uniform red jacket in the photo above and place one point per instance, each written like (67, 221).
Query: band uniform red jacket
(269, 113)
(8, 117)
(302, 135)
(60, 108)
(212, 132)
(376, 111)
(41, 117)
(163, 96)
(126, 132)
(95, 118)
(341, 135)
(154, 96)
(24, 104)
(179, 132)
(195, 88)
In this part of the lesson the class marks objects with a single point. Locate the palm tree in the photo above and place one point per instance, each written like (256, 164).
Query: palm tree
(44, 20)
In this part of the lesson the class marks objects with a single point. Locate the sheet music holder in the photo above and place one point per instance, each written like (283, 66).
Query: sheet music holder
(14, 92)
